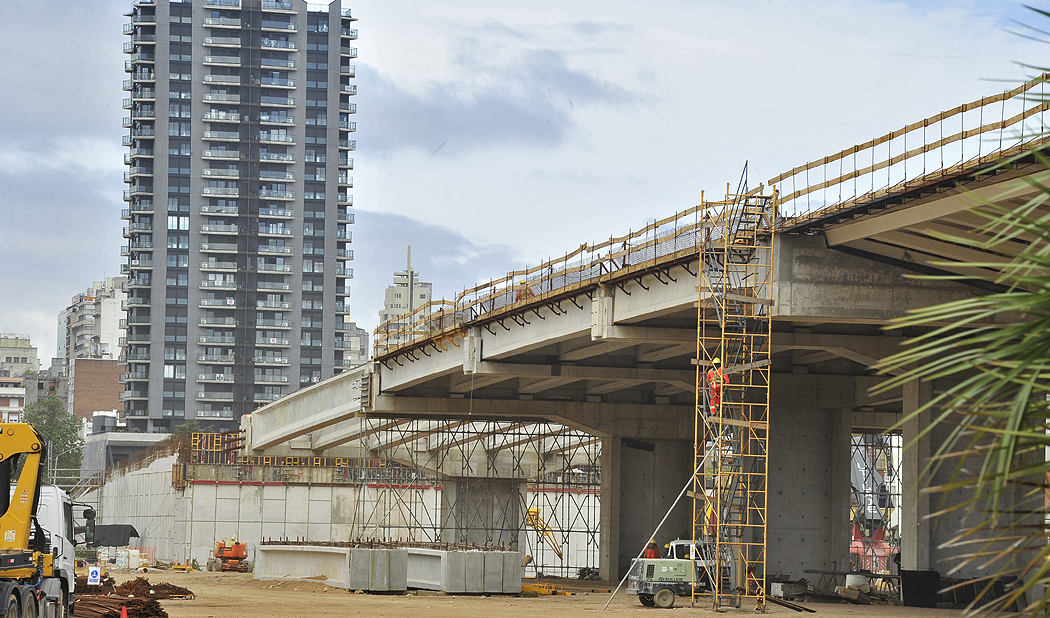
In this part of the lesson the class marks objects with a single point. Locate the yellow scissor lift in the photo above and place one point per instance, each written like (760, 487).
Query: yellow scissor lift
(733, 325)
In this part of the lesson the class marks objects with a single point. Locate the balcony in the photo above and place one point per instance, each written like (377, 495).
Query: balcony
(217, 116)
(266, 396)
(134, 376)
(274, 323)
(218, 339)
(348, 33)
(349, 70)
(273, 63)
(218, 322)
(272, 285)
(272, 304)
(275, 342)
(134, 265)
(342, 308)
(273, 230)
(277, 101)
(221, 155)
(276, 138)
(139, 227)
(138, 282)
(342, 216)
(139, 190)
(344, 235)
(216, 359)
(221, 97)
(270, 360)
(271, 119)
(207, 396)
(346, 162)
(222, 22)
(137, 356)
(277, 5)
(146, 20)
(275, 268)
(140, 152)
(270, 249)
(221, 414)
(139, 320)
(276, 194)
(222, 191)
(219, 247)
(144, 39)
(228, 61)
(210, 173)
(223, 80)
(219, 303)
(221, 136)
(138, 338)
(345, 199)
(218, 229)
(347, 125)
(343, 344)
(348, 144)
(144, 94)
(228, 4)
(279, 213)
(278, 26)
(219, 210)
(144, 76)
(264, 378)
(211, 284)
(132, 395)
(219, 267)
(348, 52)
(215, 377)
(344, 254)
(143, 132)
(272, 44)
(344, 272)
(221, 41)
(347, 181)
(279, 157)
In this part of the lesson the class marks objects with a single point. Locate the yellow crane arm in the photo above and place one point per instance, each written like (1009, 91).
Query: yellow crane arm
(533, 519)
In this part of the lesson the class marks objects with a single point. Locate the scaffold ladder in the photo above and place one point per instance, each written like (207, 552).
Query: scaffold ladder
(733, 326)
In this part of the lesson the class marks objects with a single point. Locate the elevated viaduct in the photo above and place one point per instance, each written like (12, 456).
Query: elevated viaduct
(604, 341)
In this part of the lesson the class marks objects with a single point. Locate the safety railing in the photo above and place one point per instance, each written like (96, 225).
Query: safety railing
(947, 144)
(661, 242)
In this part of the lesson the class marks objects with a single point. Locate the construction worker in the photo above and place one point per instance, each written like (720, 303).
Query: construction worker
(651, 552)
(715, 380)
(667, 550)
(523, 294)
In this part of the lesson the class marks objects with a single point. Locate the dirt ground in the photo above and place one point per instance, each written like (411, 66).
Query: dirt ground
(237, 595)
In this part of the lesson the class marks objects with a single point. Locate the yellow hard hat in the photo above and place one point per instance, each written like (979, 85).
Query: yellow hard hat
(715, 361)
(667, 546)
(522, 281)
(652, 540)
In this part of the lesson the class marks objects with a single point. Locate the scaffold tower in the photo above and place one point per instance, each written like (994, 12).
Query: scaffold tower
(732, 398)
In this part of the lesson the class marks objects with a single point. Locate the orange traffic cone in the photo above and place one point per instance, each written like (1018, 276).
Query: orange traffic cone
(123, 612)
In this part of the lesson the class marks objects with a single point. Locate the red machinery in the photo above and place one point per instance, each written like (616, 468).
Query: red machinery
(232, 555)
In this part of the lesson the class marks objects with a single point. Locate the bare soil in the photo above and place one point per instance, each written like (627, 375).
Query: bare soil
(237, 595)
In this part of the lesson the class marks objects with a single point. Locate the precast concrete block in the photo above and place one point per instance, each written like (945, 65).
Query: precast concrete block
(454, 577)
(513, 572)
(379, 574)
(493, 581)
(289, 562)
(398, 569)
(474, 571)
(425, 568)
(360, 568)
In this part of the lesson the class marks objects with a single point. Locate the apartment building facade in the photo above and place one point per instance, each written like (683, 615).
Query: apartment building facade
(239, 205)
(93, 323)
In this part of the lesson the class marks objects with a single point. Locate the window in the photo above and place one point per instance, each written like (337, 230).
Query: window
(176, 372)
(178, 223)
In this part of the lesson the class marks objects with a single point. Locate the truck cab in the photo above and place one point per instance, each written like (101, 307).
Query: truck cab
(55, 516)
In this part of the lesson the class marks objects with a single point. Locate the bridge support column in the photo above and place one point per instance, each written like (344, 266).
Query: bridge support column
(915, 529)
(609, 510)
(483, 510)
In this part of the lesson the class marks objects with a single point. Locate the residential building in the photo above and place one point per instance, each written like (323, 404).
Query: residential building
(94, 385)
(93, 323)
(17, 355)
(12, 399)
(51, 381)
(405, 296)
(239, 205)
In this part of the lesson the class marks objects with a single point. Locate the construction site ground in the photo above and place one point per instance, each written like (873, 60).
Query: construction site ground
(238, 595)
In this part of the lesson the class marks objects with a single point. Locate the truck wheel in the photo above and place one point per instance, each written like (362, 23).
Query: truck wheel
(664, 598)
(647, 600)
(29, 606)
(12, 607)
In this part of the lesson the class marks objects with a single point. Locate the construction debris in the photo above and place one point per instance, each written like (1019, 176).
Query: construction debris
(105, 587)
(109, 607)
(140, 587)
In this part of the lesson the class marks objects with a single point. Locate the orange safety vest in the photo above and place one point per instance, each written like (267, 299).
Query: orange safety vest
(715, 379)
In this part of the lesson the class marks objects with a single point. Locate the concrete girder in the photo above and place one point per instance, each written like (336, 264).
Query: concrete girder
(528, 439)
(1013, 249)
(947, 204)
(355, 429)
(648, 334)
(307, 409)
(594, 350)
(673, 351)
(570, 447)
(472, 382)
(414, 434)
(916, 256)
(446, 362)
(535, 333)
(576, 372)
(604, 388)
(939, 247)
(544, 385)
(812, 357)
(479, 435)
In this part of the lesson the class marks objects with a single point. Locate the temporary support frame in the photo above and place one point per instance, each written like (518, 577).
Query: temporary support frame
(732, 418)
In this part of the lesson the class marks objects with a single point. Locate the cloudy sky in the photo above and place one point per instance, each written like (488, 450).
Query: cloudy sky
(493, 135)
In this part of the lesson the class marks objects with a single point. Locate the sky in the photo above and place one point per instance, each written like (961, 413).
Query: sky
(495, 135)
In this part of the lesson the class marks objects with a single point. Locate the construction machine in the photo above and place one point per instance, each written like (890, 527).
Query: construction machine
(36, 531)
(232, 555)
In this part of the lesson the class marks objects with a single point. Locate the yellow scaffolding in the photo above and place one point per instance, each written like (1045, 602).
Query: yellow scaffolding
(732, 399)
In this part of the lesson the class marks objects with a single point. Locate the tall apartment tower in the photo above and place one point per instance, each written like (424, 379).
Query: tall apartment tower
(93, 324)
(239, 205)
(406, 295)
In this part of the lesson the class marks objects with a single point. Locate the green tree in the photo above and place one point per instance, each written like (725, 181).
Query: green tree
(992, 471)
(60, 431)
